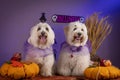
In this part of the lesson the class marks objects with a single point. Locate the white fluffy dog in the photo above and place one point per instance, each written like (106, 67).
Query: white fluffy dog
(74, 56)
(39, 47)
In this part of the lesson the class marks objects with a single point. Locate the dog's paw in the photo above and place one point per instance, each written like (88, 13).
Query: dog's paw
(46, 74)
(64, 72)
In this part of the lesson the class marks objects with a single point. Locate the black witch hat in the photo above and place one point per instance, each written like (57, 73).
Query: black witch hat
(42, 18)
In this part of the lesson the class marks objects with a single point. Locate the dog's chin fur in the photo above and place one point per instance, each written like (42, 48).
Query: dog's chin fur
(71, 41)
(80, 61)
(39, 48)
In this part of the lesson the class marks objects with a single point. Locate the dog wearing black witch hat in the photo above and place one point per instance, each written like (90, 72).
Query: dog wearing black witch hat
(39, 47)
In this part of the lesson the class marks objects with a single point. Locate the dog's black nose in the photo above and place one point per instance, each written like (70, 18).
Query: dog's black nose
(42, 33)
(79, 34)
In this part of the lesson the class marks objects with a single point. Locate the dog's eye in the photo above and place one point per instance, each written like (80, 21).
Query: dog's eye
(75, 25)
(74, 29)
(47, 29)
(82, 29)
(38, 29)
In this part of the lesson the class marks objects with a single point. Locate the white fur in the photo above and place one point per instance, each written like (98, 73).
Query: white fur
(34, 55)
(71, 33)
(81, 60)
(34, 35)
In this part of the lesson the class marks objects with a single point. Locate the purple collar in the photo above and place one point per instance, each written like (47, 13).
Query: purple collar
(75, 49)
(70, 48)
(37, 52)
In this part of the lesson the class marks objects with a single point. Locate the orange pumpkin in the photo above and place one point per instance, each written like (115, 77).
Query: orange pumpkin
(19, 72)
(101, 73)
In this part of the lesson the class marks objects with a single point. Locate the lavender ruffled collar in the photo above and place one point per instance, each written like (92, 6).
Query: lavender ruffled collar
(37, 52)
(71, 49)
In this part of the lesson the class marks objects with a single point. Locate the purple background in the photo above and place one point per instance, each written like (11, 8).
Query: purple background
(18, 16)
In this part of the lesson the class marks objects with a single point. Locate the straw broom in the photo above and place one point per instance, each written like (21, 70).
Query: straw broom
(98, 30)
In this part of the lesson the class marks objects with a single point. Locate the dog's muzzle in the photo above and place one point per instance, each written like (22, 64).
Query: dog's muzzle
(78, 38)
(43, 38)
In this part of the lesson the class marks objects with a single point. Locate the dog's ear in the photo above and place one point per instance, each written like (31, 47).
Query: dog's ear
(29, 40)
(32, 41)
(66, 30)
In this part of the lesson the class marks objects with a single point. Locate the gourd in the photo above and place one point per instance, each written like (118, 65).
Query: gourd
(19, 70)
(101, 72)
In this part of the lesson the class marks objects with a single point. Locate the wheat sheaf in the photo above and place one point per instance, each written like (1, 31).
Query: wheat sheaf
(98, 30)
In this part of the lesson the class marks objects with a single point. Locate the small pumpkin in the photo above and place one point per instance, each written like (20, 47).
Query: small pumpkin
(18, 71)
(101, 72)
(31, 71)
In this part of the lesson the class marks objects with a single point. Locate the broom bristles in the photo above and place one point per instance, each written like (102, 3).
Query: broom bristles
(98, 30)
